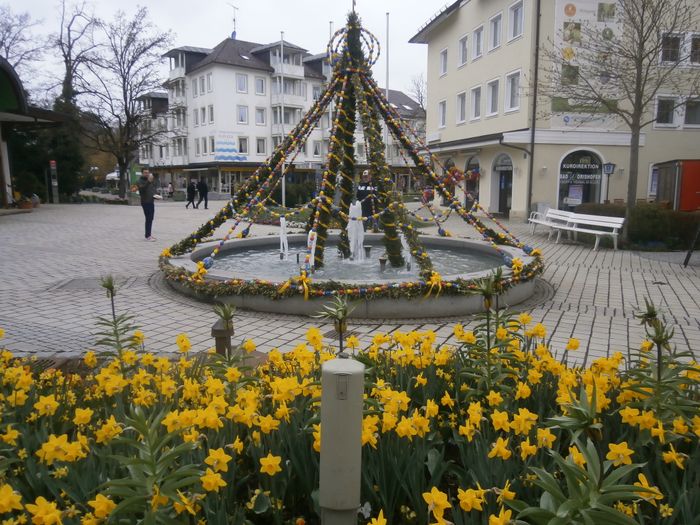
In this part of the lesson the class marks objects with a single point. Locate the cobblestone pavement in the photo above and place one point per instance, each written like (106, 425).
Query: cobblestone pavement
(52, 261)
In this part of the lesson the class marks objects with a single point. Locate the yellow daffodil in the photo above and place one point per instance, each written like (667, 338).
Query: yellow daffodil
(218, 460)
(437, 502)
(499, 420)
(44, 512)
(527, 449)
(651, 494)
(379, 520)
(470, 499)
(9, 499)
(619, 454)
(503, 517)
(270, 464)
(500, 449)
(102, 505)
(672, 456)
(212, 481)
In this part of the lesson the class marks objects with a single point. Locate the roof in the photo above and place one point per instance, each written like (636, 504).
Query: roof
(12, 95)
(421, 37)
(404, 105)
(264, 47)
(314, 58)
(188, 49)
(154, 94)
(234, 53)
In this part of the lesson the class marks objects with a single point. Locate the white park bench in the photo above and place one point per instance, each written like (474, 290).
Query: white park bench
(552, 218)
(598, 225)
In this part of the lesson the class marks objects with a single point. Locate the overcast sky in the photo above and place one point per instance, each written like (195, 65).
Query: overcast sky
(205, 23)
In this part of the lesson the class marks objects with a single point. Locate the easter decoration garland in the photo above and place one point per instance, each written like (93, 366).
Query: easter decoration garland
(358, 103)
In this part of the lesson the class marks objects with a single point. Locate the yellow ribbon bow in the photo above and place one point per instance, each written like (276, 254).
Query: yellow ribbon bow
(434, 281)
(302, 280)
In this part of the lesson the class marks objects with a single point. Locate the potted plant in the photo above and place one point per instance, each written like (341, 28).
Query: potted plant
(25, 203)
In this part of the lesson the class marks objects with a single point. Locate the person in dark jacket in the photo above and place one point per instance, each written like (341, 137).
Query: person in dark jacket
(191, 192)
(147, 192)
(203, 190)
(366, 195)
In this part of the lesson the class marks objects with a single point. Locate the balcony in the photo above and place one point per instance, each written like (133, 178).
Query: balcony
(176, 72)
(289, 100)
(290, 70)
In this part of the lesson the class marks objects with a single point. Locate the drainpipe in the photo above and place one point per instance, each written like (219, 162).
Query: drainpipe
(533, 118)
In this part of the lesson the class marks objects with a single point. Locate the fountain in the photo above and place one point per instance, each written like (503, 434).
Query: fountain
(395, 273)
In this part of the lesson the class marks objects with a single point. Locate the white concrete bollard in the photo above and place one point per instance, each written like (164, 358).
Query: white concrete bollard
(342, 388)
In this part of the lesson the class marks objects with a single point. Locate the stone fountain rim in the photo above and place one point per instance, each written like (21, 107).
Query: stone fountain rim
(189, 261)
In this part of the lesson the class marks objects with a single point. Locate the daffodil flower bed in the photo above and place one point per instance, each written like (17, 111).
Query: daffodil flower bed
(495, 428)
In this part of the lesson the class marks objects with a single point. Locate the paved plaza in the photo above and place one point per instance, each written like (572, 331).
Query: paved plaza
(52, 260)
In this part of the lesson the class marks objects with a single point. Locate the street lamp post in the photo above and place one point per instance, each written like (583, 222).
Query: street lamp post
(608, 169)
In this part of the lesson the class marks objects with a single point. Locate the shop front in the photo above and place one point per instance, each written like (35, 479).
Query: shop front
(580, 179)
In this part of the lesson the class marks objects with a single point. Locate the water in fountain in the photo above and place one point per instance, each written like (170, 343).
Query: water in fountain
(265, 263)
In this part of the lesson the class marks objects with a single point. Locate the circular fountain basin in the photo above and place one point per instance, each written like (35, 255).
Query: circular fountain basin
(259, 258)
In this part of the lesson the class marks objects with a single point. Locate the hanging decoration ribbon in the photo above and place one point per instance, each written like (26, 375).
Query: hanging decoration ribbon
(435, 281)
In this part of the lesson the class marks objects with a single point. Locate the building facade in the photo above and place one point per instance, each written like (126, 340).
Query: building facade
(227, 108)
(481, 72)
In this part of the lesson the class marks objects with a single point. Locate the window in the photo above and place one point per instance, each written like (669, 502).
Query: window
(462, 50)
(209, 83)
(692, 112)
(695, 49)
(442, 113)
(478, 42)
(277, 140)
(443, 62)
(243, 114)
(204, 145)
(492, 97)
(194, 87)
(316, 92)
(495, 32)
(202, 116)
(241, 83)
(515, 20)
(261, 144)
(665, 111)
(243, 145)
(259, 86)
(201, 85)
(196, 146)
(461, 107)
(317, 148)
(670, 48)
(476, 103)
(211, 114)
(513, 91)
(260, 116)
(212, 144)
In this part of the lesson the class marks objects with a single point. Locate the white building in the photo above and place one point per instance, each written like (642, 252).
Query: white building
(481, 65)
(224, 113)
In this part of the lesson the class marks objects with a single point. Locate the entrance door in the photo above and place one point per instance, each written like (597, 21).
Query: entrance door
(505, 191)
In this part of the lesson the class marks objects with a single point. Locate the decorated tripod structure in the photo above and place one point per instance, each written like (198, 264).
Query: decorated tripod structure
(356, 102)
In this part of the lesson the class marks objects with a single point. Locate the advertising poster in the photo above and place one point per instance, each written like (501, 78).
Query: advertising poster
(227, 147)
(575, 21)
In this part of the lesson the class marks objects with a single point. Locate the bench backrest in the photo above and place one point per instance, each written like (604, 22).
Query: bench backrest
(558, 215)
(600, 221)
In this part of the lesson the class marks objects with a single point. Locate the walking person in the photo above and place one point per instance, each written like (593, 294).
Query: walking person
(366, 194)
(171, 190)
(147, 192)
(191, 192)
(203, 190)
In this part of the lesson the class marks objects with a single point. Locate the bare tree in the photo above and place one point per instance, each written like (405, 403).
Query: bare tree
(17, 45)
(623, 66)
(122, 70)
(419, 90)
(75, 44)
